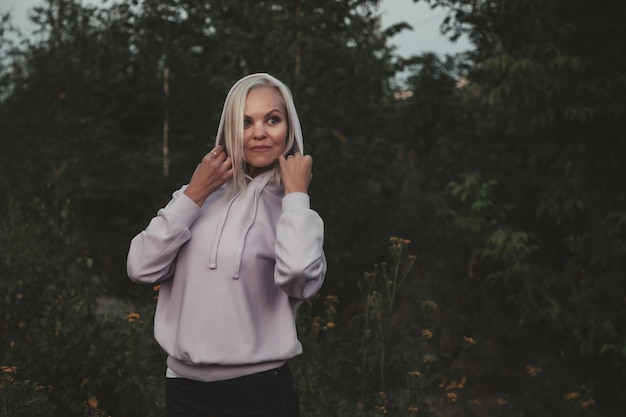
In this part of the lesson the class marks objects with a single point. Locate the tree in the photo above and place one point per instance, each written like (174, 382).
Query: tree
(545, 177)
(128, 91)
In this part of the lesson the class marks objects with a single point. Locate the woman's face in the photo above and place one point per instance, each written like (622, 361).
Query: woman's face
(264, 129)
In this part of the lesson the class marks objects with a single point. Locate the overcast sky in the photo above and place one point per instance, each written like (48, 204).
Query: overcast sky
(425, 36)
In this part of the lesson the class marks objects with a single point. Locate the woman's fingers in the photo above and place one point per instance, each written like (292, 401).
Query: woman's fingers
(212, 172)
(296, 172)
(216, 153)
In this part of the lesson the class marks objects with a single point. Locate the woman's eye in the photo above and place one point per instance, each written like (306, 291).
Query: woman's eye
(274, 120)
(246, 122)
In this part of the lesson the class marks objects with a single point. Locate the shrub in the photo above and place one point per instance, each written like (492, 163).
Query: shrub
(383, 358)
(20, 397)
(51, 328)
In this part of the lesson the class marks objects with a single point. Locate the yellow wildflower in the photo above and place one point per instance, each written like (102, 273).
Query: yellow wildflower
(9, 369)
(455, 385)
(427, 334)
(93, 402)
(586, 404)
(469, 341)
(532, 370)
(316, 323)
(451, 396)
(429, 357)
(131, 317)
(572, 395)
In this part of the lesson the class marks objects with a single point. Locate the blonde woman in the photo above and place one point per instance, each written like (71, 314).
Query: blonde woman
(236, 251)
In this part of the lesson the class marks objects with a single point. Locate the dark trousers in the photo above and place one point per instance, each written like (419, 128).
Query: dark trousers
(265, 394)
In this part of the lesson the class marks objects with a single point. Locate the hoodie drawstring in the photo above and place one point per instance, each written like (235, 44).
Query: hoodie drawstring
(218, 235)
(255, 206)
(258, 188)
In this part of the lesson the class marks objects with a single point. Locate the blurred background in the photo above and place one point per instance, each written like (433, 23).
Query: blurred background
(467, 160)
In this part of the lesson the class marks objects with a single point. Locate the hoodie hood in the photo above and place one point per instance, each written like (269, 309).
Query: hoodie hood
(255, 186)
(294, 122)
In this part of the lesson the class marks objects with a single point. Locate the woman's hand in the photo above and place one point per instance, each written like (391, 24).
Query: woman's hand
(295, 172)
(215, 169)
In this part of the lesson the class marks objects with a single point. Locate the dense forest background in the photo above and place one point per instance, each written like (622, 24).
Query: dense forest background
(475, 213)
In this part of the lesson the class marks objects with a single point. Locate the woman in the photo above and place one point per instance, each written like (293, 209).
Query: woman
(236, 251)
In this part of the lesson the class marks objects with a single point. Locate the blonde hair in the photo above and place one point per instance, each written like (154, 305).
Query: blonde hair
(231, 132)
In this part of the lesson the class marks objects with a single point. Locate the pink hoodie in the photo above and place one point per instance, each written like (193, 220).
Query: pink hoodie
(232, 274)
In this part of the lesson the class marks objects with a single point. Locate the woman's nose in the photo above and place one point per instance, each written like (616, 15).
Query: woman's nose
(259, 131)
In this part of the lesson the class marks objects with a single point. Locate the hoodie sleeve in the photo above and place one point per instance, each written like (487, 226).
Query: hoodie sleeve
(153, 252)
(300, 259)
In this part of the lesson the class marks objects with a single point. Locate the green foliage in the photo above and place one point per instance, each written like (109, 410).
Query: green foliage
(53, 327)
(503, 167)
(387, 347)
(92, 98)
(548, 151)
(22, 397)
